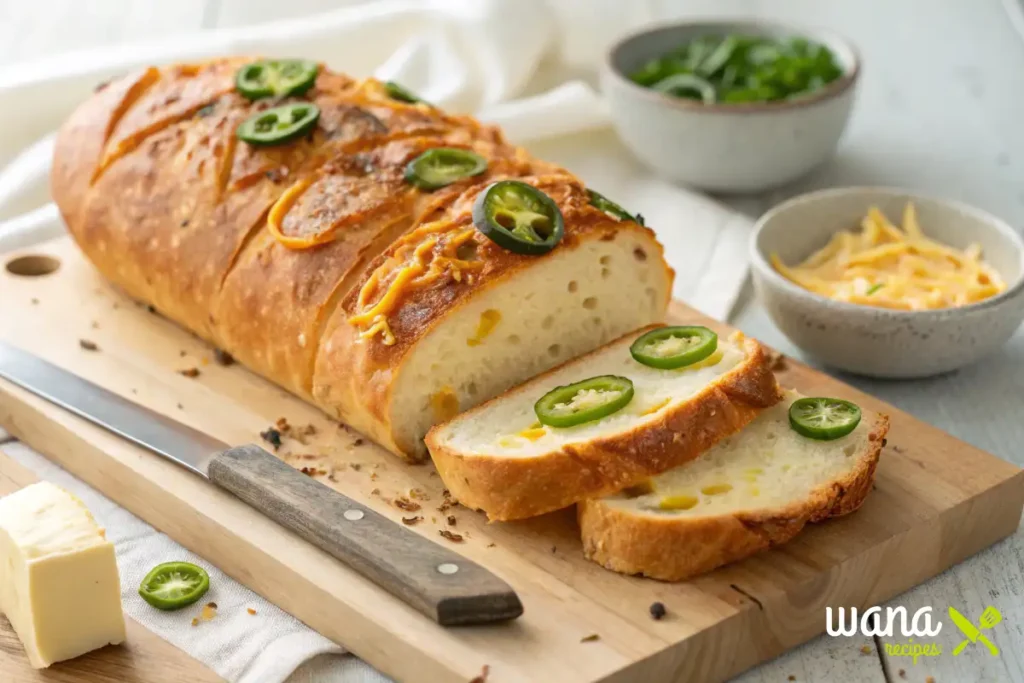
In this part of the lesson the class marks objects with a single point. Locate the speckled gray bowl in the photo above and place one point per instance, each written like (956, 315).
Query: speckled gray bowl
(878, 342)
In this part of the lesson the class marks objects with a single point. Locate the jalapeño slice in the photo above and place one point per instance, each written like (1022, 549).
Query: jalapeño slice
(442, 166)
(685, 85)
(586, 401)
(173, 585)
(280, 124)
(400, 93)
(602, 203)
(518, 217)
(276, 78)
(823, 419)
(668, 348)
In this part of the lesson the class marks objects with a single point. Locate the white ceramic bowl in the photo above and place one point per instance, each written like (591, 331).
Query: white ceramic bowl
(880, 342)
(726, 147)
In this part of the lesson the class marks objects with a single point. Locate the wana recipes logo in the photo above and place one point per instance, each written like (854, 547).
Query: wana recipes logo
(875, 621)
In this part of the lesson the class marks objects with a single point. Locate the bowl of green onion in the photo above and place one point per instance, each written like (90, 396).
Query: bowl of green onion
(731, 106)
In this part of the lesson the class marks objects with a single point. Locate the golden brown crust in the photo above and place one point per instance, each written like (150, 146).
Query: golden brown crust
(671, 549)
(168, 205)
(515, 488)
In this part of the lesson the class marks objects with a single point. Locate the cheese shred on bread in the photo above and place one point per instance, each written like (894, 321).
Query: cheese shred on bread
(750, 492)
(499, 459)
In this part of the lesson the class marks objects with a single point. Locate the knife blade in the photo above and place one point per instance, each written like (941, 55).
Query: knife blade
(437, 581)
(964, 624)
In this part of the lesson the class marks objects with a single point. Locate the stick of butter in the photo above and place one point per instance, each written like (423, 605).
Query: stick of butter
(59, 585)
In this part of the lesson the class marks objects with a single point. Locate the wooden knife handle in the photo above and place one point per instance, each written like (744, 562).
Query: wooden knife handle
(436, 581)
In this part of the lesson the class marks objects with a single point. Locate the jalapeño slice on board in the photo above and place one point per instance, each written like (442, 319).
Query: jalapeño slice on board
(586, 401)
(518, 217)
(279, 125)
(173, 585)
(822, 418)
(442, 166)
(276, 78)
(668, 348)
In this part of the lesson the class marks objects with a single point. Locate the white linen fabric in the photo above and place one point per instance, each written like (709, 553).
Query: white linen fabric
(491, 57)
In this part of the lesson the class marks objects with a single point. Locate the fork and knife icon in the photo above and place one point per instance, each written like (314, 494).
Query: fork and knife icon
(989, 618)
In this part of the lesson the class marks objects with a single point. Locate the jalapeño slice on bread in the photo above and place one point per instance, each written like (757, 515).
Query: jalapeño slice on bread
(823, 419)
(442, 166)
(276, 78)
(585, 401)
(602, 203)
(400, 93)
(518, 217)
(668, 348)
(280, 124)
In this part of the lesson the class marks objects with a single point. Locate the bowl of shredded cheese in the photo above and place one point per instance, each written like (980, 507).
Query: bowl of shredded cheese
(886, 283)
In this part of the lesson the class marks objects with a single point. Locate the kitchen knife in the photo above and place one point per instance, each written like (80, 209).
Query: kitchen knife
(442, 584)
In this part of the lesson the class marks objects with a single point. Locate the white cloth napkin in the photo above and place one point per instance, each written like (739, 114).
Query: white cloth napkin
(471, 55)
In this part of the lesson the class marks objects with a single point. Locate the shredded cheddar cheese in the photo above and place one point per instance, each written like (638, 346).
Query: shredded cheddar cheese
(421, 257)
(656, 407)
(380, 325)
(681, 502)
(716, 489)
(489, 319)
(893, 267)
(445, 404)
(533, 433)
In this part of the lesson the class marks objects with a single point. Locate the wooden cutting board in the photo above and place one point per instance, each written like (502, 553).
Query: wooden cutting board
(144, 658)
(937, 501)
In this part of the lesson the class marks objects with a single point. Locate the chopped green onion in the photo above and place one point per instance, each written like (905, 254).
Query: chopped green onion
(739, 69)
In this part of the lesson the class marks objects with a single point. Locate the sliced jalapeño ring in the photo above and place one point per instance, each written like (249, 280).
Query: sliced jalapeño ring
(518, 217)
(276, 78)
(173, 585)
(823, 418)
(442, 166)
(585, 401)
(279, 125)
(668, 348)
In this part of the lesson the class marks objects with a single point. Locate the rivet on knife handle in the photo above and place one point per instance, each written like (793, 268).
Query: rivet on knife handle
(442, 584)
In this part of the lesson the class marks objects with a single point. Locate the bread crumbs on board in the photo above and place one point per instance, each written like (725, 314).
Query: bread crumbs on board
(411, 521)
(272, 436)
(191, 373)
(591, 638)
(482, 678)
(87, 345)
(403, 503)
(454, 538)
(251, 611)
(223, 358)
(451, 520)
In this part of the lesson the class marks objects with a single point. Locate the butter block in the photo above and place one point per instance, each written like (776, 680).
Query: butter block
(59, 585)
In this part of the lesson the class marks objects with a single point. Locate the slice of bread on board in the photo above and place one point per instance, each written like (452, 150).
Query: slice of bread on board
(751, 491)
(498, 458)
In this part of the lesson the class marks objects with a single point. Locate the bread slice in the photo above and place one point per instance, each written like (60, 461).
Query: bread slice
(497, 458)
(750, 492)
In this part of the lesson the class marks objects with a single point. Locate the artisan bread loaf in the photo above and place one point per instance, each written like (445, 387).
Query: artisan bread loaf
(499, 459)
(752, 491)
(318, 265)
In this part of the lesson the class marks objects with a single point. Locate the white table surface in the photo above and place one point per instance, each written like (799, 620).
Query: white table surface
(941, 110)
